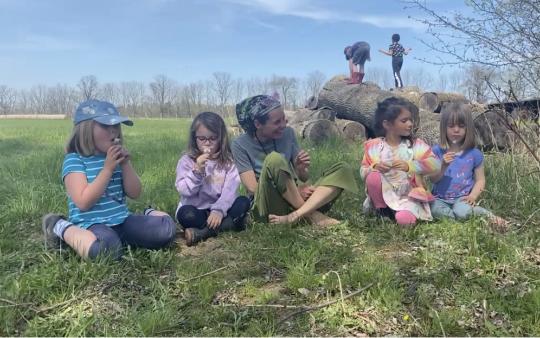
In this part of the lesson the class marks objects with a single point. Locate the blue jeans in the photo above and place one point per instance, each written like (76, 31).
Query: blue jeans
(150, 232)
(456, 209)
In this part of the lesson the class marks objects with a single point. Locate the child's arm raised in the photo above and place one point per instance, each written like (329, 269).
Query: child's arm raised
(386, 52)
(188, 179)
(447, 158)
(84, 194)
(131, 181)
(424, 161)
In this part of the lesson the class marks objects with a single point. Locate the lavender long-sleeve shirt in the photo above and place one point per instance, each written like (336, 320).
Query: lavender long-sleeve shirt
(216, 190)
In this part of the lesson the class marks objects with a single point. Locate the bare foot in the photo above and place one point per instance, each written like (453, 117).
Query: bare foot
(286, 219)
(499, 224)
(322, 220)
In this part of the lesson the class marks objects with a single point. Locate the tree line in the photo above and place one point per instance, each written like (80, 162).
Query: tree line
(166, 97)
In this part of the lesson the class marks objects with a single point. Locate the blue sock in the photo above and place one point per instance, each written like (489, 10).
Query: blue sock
(60, 227)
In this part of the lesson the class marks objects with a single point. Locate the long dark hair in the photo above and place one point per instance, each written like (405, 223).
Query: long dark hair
(389, 110)
(216, 125)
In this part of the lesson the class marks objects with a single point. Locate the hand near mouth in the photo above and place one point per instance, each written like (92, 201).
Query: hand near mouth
(449, 157)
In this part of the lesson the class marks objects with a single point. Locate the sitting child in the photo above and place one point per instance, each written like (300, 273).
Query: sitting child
(207, 180)
(461, 179)
(394, 163)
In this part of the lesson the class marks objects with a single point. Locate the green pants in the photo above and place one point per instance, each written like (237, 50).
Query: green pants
(272, 185)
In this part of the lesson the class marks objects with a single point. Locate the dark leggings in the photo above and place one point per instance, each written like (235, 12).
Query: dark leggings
(190, 217)
(150, 232)
(397, 62)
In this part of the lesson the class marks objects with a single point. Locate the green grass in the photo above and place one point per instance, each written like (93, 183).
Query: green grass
(441, 278)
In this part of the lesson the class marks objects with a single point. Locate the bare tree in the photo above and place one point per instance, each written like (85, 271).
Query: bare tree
(314, 82)
(196, 91)
(418, 77)
(209, 97)
(476, 83)
(455, 81)
(39, 99)
(22, 105)
(88, 87)
(442, 82)
(493, 33)
(110, 92)
(7, 99)
(285, 86)
(62, 99)
(238, 90)
(381, 76)
(223, 85)
(257, 86)
(162, 93)
(132, 97)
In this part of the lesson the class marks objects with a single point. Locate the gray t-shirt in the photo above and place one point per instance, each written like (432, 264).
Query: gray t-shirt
(249, 155)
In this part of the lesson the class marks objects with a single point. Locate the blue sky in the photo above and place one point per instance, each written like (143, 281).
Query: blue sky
(58, 41)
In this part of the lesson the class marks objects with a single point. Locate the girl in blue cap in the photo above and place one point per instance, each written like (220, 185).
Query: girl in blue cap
(98, 175)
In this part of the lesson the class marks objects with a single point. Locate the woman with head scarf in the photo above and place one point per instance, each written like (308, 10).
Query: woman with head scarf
(270, 163)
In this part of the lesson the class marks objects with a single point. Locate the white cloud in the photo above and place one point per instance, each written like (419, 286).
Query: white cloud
(265, 24)
(309, 10)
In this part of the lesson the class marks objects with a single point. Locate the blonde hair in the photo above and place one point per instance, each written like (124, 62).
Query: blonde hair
(457, 113)
(81, 140)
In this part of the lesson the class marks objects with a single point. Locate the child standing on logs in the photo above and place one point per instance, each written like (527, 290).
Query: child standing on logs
(396, 51)
(207, 181)
(394, 162)
(461, 179)
(357, 55)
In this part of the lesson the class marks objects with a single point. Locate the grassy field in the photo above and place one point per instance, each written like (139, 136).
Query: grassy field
(441, 278)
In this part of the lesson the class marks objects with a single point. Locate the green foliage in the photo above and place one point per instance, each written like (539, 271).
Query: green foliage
(441, 278)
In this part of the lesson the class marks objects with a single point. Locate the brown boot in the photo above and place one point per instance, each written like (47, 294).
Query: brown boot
(359, 77)
(354, 78)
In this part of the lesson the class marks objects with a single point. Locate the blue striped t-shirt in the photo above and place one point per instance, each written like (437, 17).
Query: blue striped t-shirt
(111, 208)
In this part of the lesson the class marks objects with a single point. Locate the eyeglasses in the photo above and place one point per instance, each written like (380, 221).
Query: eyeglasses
(211, 139)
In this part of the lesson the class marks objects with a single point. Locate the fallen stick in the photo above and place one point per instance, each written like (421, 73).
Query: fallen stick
(274, 306)
(316, 307)
(204, 274)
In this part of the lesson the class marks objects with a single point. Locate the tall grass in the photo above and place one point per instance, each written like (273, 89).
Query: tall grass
(441, 278)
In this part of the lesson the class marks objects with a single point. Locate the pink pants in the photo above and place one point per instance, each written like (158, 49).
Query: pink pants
(374, 190)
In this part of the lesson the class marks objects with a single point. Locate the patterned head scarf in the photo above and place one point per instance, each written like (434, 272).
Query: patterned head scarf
(254, 107)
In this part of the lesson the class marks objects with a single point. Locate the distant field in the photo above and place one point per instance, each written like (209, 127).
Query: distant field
(442, 278)
(34, 116)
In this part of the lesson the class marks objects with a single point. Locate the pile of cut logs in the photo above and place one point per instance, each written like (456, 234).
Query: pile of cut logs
(347, 111)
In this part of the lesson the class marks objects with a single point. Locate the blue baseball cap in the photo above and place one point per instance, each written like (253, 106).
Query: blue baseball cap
(99, 111)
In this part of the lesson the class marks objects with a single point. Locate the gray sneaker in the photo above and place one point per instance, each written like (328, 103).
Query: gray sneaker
(51, 240)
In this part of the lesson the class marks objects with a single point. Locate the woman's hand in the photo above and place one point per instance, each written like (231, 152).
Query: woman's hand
(302, 161)
(214, 219)
(306, 191)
